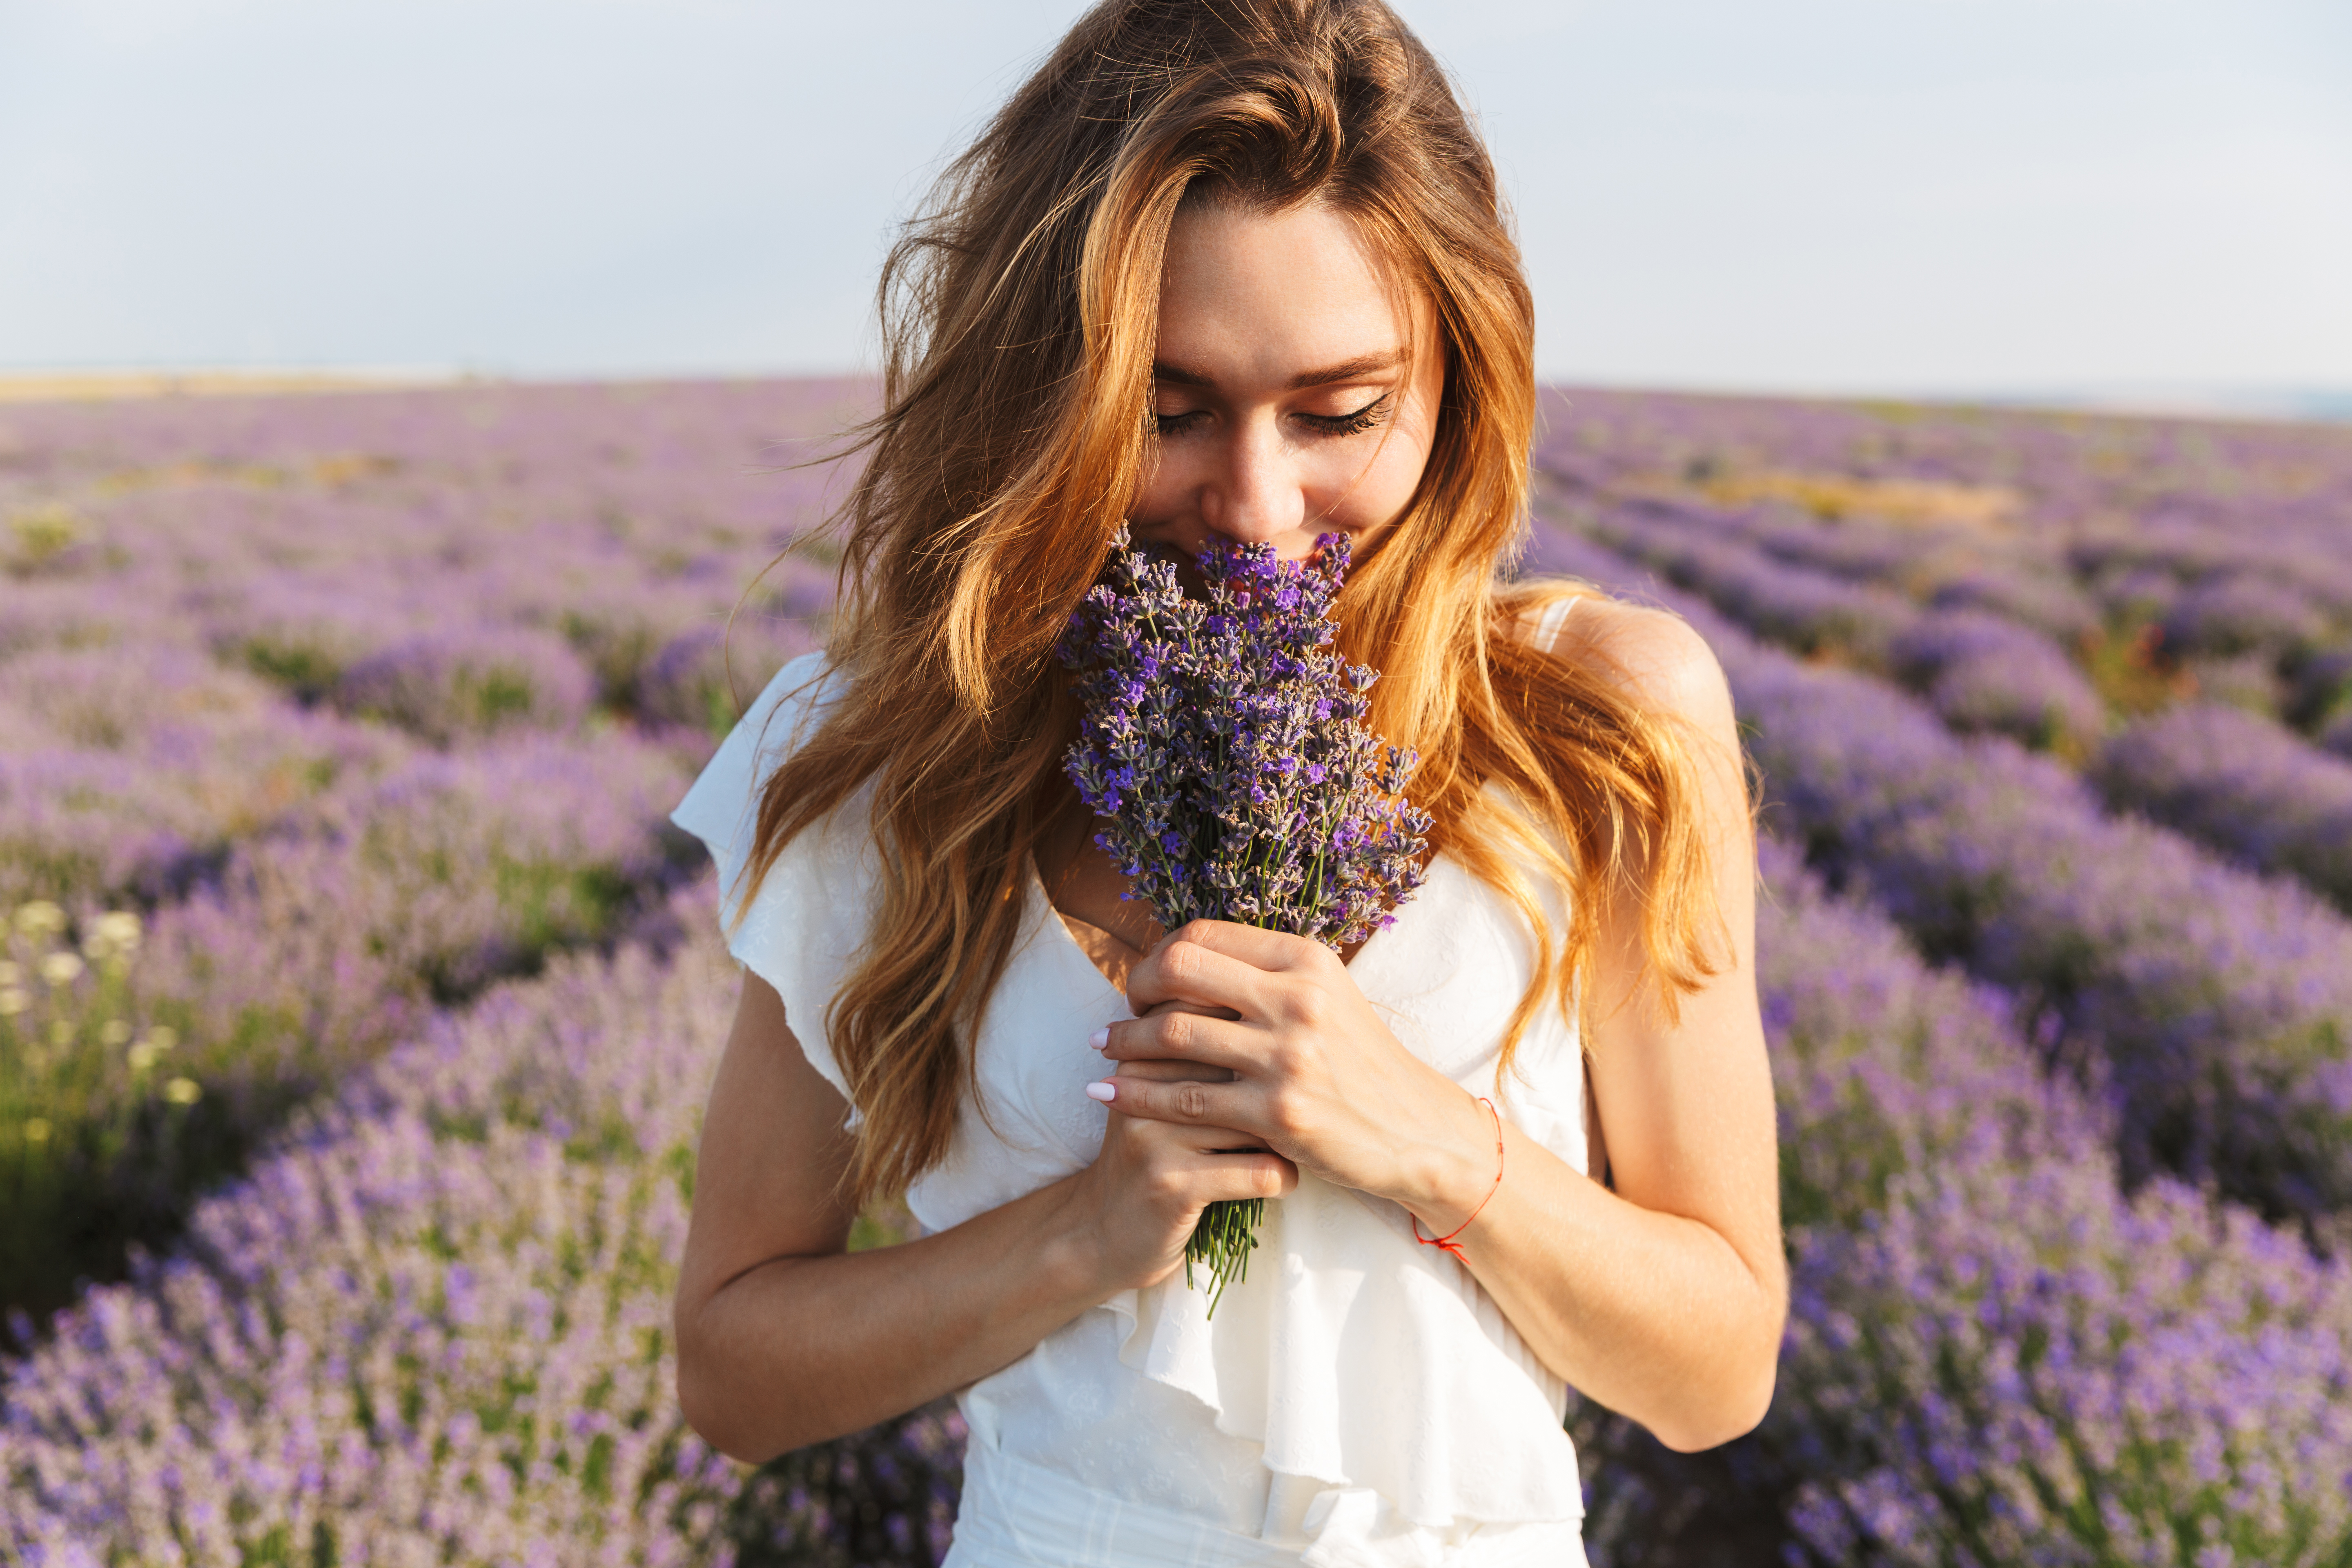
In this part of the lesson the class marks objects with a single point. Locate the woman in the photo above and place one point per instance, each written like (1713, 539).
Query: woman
(1230, 270)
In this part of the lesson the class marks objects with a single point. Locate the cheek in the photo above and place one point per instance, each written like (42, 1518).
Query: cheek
(1163, 488)
(1371, 488)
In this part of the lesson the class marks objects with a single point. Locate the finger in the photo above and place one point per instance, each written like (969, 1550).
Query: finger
(1186, 1148)
(1183, 968)
(1219, 1154)
(1273, 950)
(1205, 1011)
(1168, 1070)
(1184, 1036)
(1183, 1104)
(1193, 1147)
(1249, 1177)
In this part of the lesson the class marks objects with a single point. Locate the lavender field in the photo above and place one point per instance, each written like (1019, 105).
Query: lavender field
(356, 1006)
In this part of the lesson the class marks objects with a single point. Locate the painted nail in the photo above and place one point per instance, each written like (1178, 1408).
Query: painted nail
(1099, 1039)
(1105, 1090)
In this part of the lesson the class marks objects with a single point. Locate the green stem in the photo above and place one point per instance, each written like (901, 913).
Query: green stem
(1222, 1240)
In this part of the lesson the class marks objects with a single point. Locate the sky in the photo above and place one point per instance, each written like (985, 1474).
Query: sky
(2002, 197)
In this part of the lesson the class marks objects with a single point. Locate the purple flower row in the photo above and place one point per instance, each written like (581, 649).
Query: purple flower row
(126, 770)
(236, 616)
(311, 947)
(1978, 670)
(2237, 781)
(1989, 1345)
(1809, 611)
(434, 1323)
(1993, 1355)
(2029, 1368)
(452, 562)
(315, 540)
(2218, 589)
(135, 770)
(2242, 784)
(2226, 541)
(517, 656)
(2270, 491)
(2219, 1004)
(2216, 1005)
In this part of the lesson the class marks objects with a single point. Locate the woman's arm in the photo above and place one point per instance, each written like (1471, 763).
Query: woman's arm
(785, 1339)
(1664, 1300)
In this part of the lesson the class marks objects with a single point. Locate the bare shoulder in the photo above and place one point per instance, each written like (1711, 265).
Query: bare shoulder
(1664, 664)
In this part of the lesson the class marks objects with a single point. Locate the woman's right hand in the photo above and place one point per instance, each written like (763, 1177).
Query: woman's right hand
(785, 1338)
(1145, 1191)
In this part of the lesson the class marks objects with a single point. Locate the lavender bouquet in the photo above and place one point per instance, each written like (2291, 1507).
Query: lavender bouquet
(1223, 742)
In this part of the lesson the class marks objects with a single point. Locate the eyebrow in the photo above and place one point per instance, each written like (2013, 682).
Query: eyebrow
(1356, 369)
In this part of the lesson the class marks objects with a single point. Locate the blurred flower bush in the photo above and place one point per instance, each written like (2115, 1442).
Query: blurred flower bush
(1994, 1356)
(2244, 784)
(433, 1324)
(474, 681)
(313, 690)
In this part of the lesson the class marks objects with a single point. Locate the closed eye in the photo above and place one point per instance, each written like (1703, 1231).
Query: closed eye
(1362, 419)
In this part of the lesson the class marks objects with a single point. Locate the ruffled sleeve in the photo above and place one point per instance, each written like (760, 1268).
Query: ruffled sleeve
(785, 936)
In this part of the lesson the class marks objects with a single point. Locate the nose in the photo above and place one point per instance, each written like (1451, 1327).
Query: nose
(1256, 500)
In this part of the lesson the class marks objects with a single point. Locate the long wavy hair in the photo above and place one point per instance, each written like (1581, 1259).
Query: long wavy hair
(1019, 312)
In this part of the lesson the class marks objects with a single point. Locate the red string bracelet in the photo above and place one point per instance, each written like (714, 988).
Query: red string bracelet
(1446, 1243)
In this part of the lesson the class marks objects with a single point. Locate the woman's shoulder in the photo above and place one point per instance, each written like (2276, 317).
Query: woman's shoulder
(1655, 654)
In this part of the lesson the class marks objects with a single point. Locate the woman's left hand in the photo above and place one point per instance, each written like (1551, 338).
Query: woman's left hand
(1317, 1074)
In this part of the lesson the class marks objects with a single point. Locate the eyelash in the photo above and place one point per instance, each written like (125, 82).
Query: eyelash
(1362, 419)
(1355, 423)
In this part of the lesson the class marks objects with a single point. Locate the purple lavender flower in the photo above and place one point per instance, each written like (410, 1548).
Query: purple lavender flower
(1980, 671)
(1223, 742)
(2022, 1365)
(2337, 736)
(2319, 688)
(434, 1320)
(2241, 612)
(1703, 552)
(470, 680)
(1223, 745)
(1985, 1333)
(2249, 787)
(2215, 1005)
(1992, 1351)
(700, 679)
(2048, 602)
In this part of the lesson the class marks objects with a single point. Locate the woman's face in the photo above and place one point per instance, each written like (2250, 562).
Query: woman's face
(1287, 403)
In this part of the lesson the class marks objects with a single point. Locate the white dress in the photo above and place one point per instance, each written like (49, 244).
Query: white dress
(1359, 1400)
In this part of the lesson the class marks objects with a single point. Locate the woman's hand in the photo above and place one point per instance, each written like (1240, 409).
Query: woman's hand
(1147, 1188)
(1316, 1075)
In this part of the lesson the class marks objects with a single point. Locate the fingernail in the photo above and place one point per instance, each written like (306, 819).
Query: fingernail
(1105, 1090)
(1099, 1039)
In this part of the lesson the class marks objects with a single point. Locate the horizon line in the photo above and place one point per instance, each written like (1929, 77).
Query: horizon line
(2265, 402)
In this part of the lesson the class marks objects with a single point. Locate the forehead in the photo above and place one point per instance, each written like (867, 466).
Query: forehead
(1258, 296)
